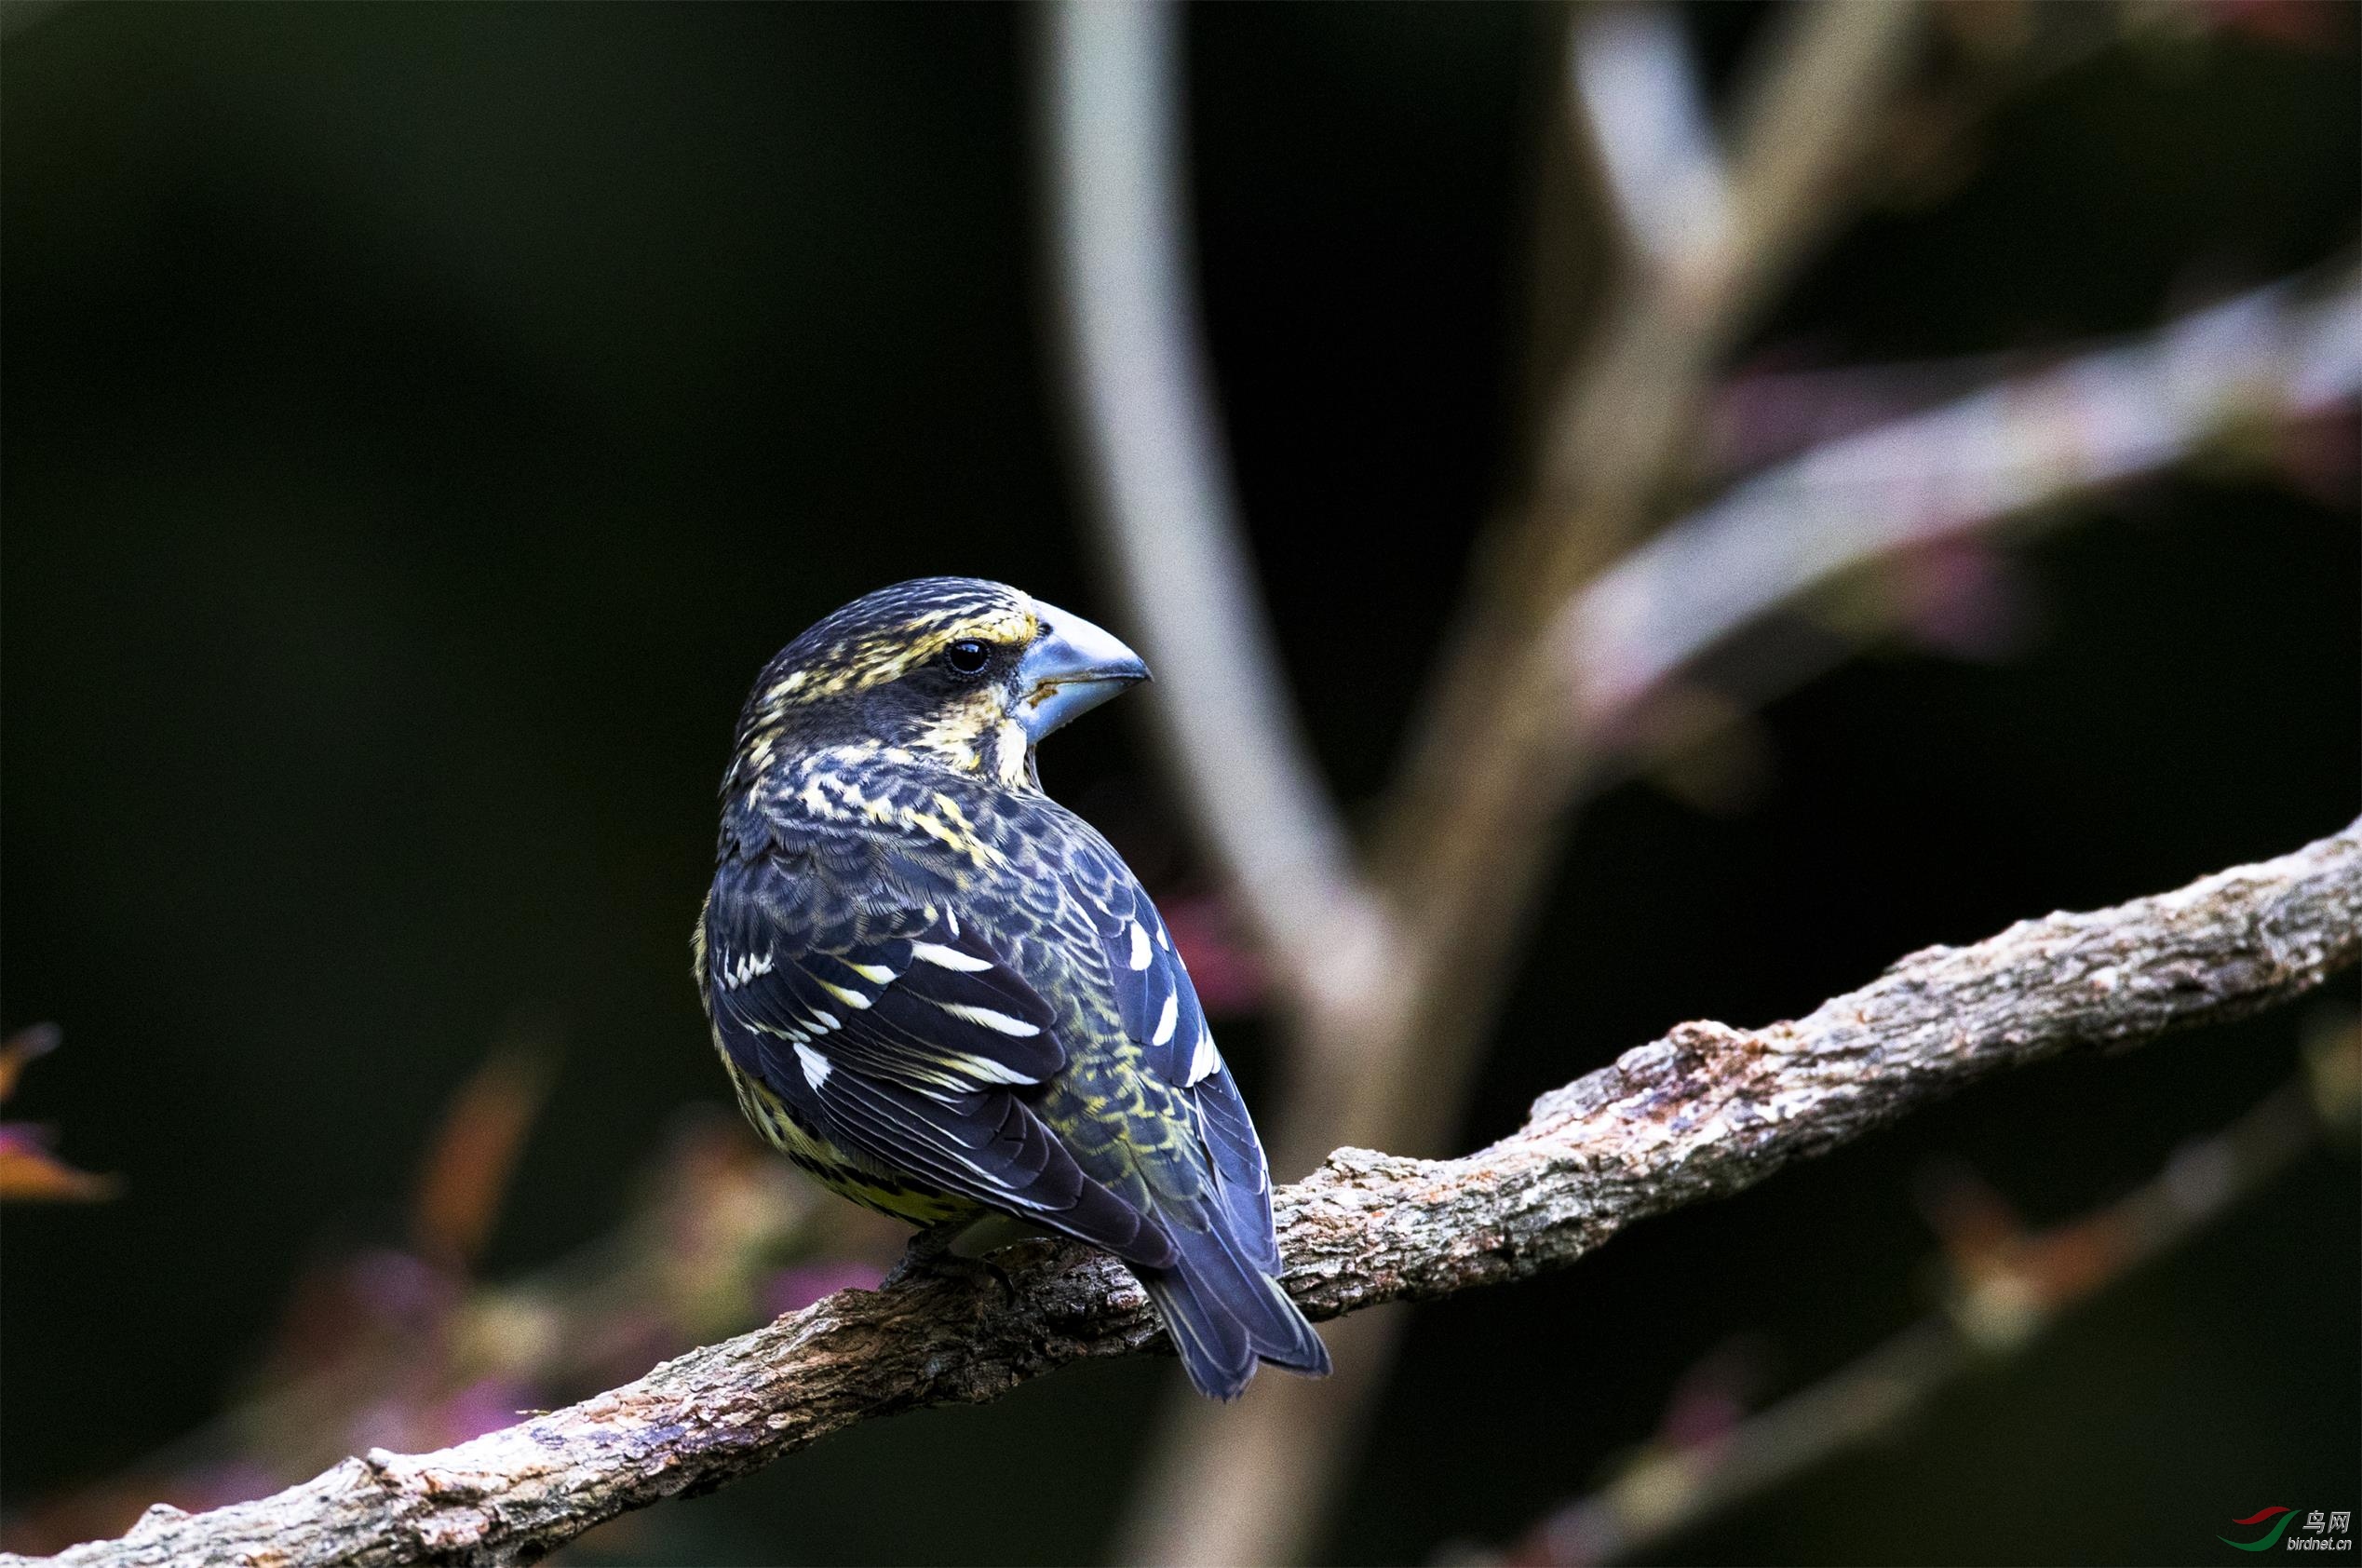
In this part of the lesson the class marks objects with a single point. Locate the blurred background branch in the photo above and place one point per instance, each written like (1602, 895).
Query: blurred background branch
(406, 1348)
(2264, 361)
(1144, 411)
(1387, 995)
(2006, 1287)
(1634, 83)
(1704, 1113)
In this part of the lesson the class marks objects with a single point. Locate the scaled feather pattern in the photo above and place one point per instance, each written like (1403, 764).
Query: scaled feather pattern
(943, 993)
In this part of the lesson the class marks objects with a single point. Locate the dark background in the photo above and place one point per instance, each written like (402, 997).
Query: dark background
(421, 422)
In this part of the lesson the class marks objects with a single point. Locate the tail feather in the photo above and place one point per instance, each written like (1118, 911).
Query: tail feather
(1225, 1314)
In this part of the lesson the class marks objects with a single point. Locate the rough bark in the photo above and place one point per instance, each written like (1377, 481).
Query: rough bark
(1703, 1113)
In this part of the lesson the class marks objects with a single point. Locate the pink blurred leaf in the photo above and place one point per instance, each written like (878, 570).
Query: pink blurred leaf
(2302, 24)
(1960, 596)
(1229, 979)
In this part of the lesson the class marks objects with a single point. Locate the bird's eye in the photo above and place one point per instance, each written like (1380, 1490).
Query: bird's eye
(968, 656)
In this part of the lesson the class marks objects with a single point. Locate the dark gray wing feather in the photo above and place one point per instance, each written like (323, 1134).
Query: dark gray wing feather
(900, 1036)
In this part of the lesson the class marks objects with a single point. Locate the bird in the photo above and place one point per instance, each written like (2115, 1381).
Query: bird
(945, 995)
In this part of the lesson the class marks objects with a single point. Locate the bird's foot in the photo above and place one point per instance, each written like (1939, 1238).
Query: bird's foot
(930, 1256)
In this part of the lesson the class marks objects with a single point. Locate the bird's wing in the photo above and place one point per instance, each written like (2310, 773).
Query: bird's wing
(1160, 1014)
(898, 1028)
(1152, 1100)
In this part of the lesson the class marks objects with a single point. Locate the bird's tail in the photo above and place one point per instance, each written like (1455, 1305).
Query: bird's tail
(1225, 1313)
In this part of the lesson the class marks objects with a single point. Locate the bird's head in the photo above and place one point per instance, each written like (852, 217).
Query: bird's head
(958, 671)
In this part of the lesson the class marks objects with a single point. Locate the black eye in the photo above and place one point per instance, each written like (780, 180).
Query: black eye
(968, 656)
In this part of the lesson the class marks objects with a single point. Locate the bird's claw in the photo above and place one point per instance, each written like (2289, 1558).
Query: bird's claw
(930, 1256)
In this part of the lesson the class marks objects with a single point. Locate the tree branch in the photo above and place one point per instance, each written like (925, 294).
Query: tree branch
(1119, 234)
(1635, 87)
(1706, 1112)
(2264, 357)
(1471, 824)
(2006, 1289)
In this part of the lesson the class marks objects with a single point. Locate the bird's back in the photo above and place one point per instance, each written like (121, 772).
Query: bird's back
(1042, 1008)
(939, 991)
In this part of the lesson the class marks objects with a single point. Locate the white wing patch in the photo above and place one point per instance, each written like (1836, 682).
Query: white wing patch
(816, 1066)
(1166, 1020)
(987, 1018)
(985, 1070)
(854, 999)
(949, 957)
(1140, 946)
(1205, 1063)
(749, 965)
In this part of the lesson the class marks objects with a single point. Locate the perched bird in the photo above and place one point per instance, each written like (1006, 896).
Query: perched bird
(943, 993)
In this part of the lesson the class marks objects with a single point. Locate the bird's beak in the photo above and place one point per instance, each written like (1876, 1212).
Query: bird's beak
(1071, 667)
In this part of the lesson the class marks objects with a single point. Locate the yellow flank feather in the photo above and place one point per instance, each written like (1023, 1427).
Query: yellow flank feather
(830, 1166)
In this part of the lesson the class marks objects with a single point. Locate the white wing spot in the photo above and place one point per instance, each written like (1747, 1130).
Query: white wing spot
(816, 1066)
(1163, 940)
(733, 975)
(1166, 1020)
(985, 1070)
(1205, 1063)
(1016, 1028)
(876, 974)
(822, 1022)
(1140, 946)
(948, 957)
(854, 999)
